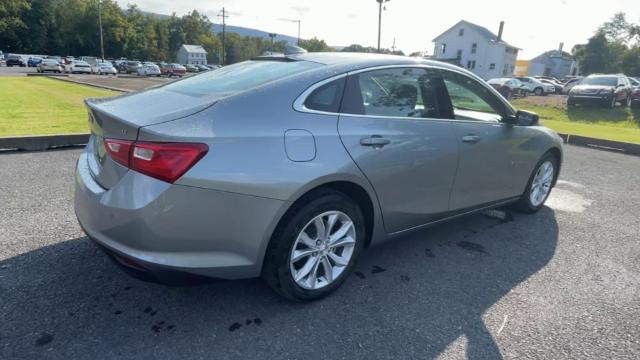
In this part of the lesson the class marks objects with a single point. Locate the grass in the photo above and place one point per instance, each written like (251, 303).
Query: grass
(42, 106)
(619, 124)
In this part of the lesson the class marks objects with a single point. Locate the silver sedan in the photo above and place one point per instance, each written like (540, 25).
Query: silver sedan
(287, 167)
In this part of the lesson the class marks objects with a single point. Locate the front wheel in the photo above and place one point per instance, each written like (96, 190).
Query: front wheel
(315, 248)
(538, 91)
(539, 185)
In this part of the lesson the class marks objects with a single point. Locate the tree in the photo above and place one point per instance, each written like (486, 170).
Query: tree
(315, 45)
(12, 13)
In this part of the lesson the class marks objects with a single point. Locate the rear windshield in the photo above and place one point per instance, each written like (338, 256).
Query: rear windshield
(600, 80)
(239, 77)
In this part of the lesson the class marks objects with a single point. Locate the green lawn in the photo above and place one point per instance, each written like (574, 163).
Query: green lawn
(42, 106)
(619, 124)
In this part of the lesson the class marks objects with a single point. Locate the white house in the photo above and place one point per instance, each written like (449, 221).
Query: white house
(192, 54)
(556, 63)
(476, 48)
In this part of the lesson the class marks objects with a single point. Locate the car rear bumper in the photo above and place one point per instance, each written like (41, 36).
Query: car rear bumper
(590, 99)
(159, 227)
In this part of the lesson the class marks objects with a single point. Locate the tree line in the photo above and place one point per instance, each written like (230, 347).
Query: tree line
(71, 27)
(614, 48)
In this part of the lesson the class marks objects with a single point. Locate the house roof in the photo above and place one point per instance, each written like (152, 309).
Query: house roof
(553, 54)
(194, 49)
(486, 33)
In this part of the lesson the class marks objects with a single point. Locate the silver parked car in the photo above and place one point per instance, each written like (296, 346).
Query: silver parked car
(287, 167)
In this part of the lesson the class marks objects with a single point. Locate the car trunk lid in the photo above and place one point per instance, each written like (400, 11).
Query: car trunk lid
(122, 117)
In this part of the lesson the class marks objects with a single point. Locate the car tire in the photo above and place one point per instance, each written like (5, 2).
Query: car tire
(278, 268)
(529, 202)
(612, 103)
(538, 91)
(628, 101)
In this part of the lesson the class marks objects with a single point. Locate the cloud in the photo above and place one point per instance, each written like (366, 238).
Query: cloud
(300, 10)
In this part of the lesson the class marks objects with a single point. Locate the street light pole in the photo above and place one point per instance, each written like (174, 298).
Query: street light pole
(101, 36)
(224, 25)
(294, 21)
(380, 2)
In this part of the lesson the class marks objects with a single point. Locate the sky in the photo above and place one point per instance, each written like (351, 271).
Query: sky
(533, 26)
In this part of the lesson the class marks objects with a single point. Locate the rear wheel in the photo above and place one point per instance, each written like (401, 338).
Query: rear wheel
(539, 185)
(315, 248)
(538, 91)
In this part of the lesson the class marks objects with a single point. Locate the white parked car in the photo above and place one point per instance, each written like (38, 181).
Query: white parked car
(105, 68)
(535, 86)
(149, 69)
(78, 66)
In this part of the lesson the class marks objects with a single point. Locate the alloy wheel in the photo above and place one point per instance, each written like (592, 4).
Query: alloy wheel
(541, 185)
(322, 250)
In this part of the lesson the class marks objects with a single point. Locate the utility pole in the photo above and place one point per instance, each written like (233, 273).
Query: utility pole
(380, 2)
(272, 36)
(224, 25)
(101, 36)
(294, 21)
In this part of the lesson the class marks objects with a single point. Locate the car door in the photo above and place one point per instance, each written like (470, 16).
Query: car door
(488, 147)
(391, 123)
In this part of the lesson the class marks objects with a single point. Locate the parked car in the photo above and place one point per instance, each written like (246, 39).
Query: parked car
(173, 70)
(605, 90)
(509, 87)
(535, 86)
(34, 61)
(570, 85)
(15, 60)
(56, 58)
(78, 66)
(246, 171)
(49, 65)
(191, 68)
(106, 68)
(149, 69)
(202, 67)
(131, 67)
(557, 86)
(635, 98)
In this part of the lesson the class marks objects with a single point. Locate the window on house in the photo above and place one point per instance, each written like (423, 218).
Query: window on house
(443, 48)
(474, 48)
(471, 64)
(492, 66)
(461, 32)
(505, 71)
(459, 54)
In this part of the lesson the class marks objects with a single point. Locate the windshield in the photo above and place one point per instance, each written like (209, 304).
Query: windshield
(238, 77)
(600, 81)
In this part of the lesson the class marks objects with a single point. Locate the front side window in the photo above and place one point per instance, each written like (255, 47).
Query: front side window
(470, 99)
(396, 92)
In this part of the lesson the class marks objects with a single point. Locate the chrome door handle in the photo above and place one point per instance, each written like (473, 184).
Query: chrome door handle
(375, 141)
(471, 139)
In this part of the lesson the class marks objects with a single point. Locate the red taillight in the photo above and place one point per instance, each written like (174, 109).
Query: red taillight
(119, 150)
(163, 161)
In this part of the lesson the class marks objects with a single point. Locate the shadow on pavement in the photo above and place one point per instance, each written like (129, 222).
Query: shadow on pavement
(410, 297)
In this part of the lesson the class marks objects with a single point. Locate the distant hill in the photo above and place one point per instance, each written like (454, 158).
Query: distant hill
(291, 40)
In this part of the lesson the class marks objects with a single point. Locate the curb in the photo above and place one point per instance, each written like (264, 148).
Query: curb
(92, 85)
(44, 142)
(608, 145)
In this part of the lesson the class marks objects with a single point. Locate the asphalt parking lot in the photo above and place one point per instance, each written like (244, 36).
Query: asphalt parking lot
(121, 81)
(561, 284)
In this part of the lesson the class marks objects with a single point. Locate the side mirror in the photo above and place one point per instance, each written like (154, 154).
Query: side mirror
(522, 118)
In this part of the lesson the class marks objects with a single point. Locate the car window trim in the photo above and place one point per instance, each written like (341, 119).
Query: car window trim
(298, 104)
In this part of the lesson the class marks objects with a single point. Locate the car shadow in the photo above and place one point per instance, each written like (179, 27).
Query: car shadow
(411, 297)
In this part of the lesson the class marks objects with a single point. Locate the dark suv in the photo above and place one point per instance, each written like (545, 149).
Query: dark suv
(604, 90)
(16, 60)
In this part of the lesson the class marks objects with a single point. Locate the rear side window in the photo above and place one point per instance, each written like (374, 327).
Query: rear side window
(395, 92)
(327, 97)
(239, 77)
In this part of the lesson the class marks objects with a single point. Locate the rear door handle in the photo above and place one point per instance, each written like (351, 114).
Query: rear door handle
(375, 141)
(471, 139)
